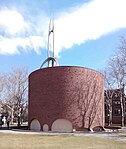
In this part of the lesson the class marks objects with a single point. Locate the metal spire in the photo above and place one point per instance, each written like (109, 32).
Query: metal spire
(48, 39)
(50, 58)
(53, 35)
(51, 31)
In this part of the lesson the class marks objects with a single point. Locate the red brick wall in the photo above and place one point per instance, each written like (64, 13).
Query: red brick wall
(73, 93)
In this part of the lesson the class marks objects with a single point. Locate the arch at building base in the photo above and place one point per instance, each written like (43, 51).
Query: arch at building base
(35, 125)
(45, 128)
(62, 125)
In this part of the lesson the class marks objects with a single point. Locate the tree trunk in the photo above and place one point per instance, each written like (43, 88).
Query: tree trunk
(110, 116)
(122, 110)
(19, 121)
(12, 116)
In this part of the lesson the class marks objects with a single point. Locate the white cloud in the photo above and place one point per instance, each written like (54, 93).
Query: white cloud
(13, 45)
(12, 20)
(89, 21)
(17, 34)
(74, 26)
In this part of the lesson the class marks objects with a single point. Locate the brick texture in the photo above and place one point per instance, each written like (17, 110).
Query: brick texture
(68, 92)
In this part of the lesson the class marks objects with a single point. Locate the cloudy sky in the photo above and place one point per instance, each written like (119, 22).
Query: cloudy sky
(86, 31)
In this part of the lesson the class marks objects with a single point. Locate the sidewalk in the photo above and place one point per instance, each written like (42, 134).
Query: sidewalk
(109, 135)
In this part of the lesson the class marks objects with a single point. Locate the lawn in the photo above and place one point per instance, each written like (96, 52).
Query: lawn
(26, 141)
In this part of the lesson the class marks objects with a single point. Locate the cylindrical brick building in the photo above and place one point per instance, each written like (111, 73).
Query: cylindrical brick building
(64, 98)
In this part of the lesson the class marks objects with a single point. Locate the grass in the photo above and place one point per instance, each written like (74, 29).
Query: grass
(25, 141)
(123, 134)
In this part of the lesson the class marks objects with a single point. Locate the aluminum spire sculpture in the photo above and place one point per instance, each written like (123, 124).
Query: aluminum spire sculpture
(50, 58)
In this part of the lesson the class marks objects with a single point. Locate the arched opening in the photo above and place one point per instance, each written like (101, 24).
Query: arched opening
(62, 125)
(98, 128)
(45, 128)
(35, 125)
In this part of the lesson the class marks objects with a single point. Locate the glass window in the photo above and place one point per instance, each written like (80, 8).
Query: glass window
(117, 111)
(117, 103)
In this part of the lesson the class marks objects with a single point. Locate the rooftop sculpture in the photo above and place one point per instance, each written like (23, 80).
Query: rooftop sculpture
(51, 60)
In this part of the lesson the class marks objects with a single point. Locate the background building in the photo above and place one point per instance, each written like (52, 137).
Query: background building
(115, 106)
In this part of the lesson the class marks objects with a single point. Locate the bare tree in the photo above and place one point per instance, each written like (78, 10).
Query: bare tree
(108, 94)
(2, 88)
(116, 74)
(2, 80)
(108, 104)
(16, 92)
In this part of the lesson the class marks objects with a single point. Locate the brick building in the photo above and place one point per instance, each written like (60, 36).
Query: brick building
(64, 98)
(113, 106)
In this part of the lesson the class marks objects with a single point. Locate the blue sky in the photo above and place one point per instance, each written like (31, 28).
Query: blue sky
(86, 32)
